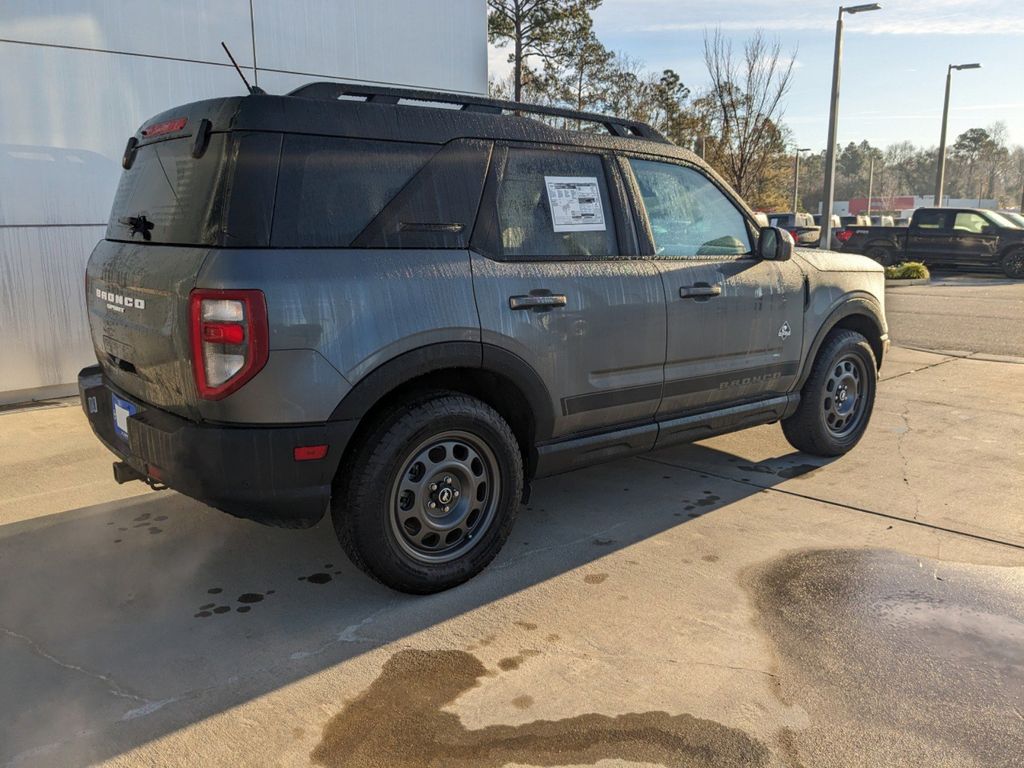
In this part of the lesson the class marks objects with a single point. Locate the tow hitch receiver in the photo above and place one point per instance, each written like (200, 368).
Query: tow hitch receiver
(125, 473)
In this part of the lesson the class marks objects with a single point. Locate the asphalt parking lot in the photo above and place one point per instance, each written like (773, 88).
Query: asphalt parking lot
(729, 603)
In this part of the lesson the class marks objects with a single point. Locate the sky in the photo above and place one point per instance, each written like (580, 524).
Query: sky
(894, 60)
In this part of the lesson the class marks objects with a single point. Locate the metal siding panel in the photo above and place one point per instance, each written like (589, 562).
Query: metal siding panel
(429, 45)
(187, 29)
(61, 147)
(44, 338)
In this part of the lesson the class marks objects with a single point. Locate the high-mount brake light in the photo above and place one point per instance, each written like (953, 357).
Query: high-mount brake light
(230, 339)
(843, 235)
(167, 126)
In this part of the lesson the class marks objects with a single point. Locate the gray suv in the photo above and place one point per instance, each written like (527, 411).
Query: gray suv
(404, 306)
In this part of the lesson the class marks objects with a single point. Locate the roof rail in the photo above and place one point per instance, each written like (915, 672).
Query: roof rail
(330, 91)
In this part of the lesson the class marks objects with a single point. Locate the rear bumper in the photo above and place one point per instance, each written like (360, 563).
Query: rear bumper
(248, 472)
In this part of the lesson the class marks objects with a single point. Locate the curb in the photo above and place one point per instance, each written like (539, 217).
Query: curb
(912, 281)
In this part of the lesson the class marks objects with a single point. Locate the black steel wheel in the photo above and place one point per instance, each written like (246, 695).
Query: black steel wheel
(883, 256)
(429, 493)
(445, 496)
(837, 399)
(1013, 263)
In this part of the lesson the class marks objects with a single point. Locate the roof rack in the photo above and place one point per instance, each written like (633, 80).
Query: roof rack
(329, 91)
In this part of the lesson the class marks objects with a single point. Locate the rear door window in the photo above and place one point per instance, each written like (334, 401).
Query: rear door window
(330, 188)
(553, 205)
(930, 220)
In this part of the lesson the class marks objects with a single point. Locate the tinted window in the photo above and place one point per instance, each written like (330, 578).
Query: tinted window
(329, 189)
(690, 217)
(930, 220)
(555, 205)
(168, 194)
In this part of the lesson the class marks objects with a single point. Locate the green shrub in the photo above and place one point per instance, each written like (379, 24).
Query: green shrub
(909, 270)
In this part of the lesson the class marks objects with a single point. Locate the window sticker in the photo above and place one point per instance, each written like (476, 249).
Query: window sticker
(575, 204)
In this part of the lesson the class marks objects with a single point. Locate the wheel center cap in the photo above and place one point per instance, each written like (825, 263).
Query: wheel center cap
(842, 396)
(445, 495)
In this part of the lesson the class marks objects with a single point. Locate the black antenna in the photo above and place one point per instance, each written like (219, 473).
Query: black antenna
(253, 89)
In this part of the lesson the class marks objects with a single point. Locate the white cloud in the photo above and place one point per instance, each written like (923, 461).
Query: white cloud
(909, 17)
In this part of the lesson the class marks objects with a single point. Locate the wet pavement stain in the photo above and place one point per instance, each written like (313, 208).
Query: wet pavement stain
(529, 626)
(898, 660)
(522, 702)
(399, 722)
(515, 662)
(317, 578)
(794, 470)
(595, 578)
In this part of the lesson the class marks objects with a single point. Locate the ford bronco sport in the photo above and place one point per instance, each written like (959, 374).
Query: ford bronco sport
(403, 306)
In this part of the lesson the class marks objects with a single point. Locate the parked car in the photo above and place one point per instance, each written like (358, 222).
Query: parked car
(403, 314)
(801, 226)
(836, 226)
(944, 237)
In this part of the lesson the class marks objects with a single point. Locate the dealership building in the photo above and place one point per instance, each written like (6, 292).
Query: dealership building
(80, 76)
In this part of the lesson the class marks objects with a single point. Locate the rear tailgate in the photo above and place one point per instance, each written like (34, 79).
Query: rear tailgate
(137, 297)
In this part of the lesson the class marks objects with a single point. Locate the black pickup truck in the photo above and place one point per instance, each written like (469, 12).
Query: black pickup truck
(958, 237)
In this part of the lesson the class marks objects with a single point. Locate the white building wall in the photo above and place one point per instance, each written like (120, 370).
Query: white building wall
(80, 76)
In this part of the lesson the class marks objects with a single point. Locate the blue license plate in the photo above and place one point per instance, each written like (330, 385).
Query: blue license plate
(122, 409)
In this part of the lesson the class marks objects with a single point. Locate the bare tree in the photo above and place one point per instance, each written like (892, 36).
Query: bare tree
(745, 107)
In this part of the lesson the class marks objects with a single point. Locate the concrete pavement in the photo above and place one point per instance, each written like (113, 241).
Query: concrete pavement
(727, 603)
(965, 312)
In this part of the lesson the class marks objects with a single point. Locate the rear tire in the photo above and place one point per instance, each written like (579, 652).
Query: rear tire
(883, 256)
(431, 493)
(838, 398)
(1013, 264)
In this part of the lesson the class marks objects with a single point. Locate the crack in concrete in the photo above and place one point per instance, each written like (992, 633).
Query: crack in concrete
(922, 368)
(112, 686)
(839, 504)
(906, 459)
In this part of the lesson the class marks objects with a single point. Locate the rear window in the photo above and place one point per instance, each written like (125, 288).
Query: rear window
(930, 220)
(329, 189)
(165, 196)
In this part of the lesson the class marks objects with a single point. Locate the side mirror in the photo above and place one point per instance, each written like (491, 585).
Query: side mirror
(775, 244)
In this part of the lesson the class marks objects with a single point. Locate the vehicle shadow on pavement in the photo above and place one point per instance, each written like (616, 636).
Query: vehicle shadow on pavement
(125, 621)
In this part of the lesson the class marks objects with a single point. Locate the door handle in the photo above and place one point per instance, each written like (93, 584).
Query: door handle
(542, 301)
(700, 290)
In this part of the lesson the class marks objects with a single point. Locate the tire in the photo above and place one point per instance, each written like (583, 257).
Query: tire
(445, 449)
(824, 424)
(882, 255)
(1013, 263)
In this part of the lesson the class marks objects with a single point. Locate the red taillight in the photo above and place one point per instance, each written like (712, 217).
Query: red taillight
(230, 339)
(309, 452)
(167, 126)
(843, 235)
(223, 333)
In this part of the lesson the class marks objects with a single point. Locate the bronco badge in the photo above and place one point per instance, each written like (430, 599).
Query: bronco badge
(785, 331)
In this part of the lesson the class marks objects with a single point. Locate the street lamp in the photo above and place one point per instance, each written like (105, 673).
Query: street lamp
(796, 174)
(940, 176)
(833, 120)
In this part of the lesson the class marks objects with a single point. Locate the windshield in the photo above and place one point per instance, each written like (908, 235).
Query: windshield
(1012, 220)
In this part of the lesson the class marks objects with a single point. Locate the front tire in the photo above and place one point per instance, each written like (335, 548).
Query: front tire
(838, 398)
(431, 493)
(1013, 264)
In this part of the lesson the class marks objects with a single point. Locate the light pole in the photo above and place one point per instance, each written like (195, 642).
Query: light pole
(833, 120)
(871, 185)
(940, 176)
(796, 175)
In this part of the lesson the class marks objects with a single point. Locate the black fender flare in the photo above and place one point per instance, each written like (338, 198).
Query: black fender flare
(433, 358)
(861, 304)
